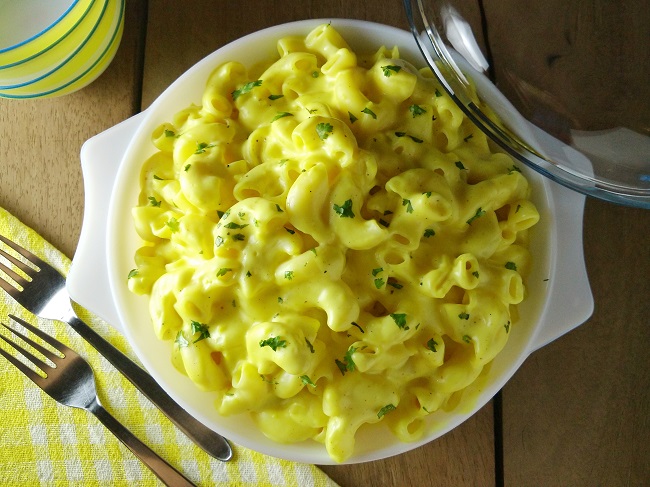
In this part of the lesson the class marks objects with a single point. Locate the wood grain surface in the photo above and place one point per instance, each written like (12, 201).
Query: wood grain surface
(577, 411)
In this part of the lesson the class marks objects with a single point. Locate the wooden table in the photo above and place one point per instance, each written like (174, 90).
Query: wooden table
(575, 414)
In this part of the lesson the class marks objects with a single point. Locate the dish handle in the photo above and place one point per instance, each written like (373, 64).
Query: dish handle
(87, 281)
(571, 302)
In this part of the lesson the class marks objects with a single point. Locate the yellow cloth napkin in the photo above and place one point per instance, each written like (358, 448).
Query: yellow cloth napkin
(45, 443)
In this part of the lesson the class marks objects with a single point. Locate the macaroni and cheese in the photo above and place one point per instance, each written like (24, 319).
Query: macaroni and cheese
(329, 242)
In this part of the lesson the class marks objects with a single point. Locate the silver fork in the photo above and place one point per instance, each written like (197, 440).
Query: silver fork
(44, 294)
(71, 382)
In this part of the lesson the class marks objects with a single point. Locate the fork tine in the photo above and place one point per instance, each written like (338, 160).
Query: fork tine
(38, 380)
(21, 265)
(20, 280)
(24, 252)
(44, 336)
(48, 353)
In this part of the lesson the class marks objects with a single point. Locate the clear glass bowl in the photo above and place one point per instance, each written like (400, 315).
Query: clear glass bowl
(562, 86)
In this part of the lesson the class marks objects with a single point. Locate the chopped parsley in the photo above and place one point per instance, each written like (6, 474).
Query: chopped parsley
(173, 224)
(347, 365)
(153, 201)
(239, 237)
(379, 282)
(464, 316)
(201, 329)
(274, 343)
(281, 115)
(181, 341)
(377, 271)
(385, 410)
(344, 210)
(324, 130)
(432, 344)
(223, 271)
(352, 117)
(307, 381)
(429, 232)
(288, 275)
(275, 97)
(170, 133)
(511, 266)
(133, 273)
(400, 320)
(416, 110)
(245, 89)
(460, 166)
(235, 226)
(467, 339)
(409, 206)
(479, 213)
(201, 147)
(368, 111)
(390, 70)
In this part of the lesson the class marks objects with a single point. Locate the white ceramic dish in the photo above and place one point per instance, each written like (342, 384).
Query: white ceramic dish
(559, 294)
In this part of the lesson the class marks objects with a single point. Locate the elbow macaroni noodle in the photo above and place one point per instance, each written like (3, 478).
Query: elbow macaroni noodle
(329, 242)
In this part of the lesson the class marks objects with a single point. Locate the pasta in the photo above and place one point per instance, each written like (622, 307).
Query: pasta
(328, 243)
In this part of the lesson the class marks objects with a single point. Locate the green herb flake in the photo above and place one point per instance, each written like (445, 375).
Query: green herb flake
(467, 339)
(238, 237)
(310, 346)
(385, 410)
(201, 329)
(427, 194)
(154, 202)
(409, 206)
(475, 274)
(392, 282)
(429, 232)
(235, 226)
(315, 74)
(201, 147)
(344, 210)
(377, 271)
(274, 343)
(307, 381)
(170, 133)
(157, 178)
(275, 97)
(173, 224)
(479, 213)
(511, 266)
(438, 94)
(468, 137)
(432, 344)
(324, 130)
(277, 207)
(223, 271)
(390, 70)
(416, 110)
(187, 167)
(180, 340)
(368, 111)
(460, 166)
(400, 320)
(281, 115)
(245, 89)
(379, 282)
(288, 275)
(133, 273)
(289, 230)
(464, 316)
(352, 117)
(507, 327)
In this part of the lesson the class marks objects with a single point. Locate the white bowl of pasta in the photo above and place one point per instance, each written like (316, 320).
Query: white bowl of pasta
(317, 255)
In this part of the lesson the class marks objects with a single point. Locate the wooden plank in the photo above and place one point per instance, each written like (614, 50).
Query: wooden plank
(40, 174)
(577, 411)
(176, 39)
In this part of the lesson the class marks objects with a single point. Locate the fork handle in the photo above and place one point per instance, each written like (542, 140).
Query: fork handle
(163, 470)
(210, 441)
